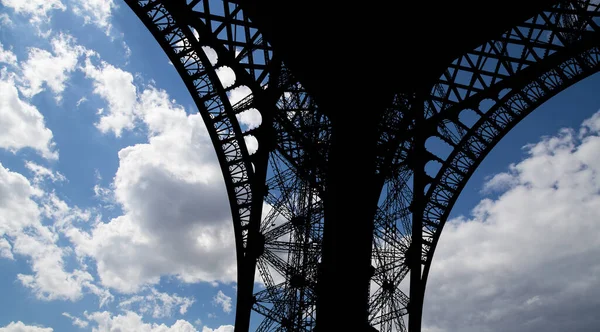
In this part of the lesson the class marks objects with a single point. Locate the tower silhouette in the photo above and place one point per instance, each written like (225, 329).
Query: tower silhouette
(327, 135)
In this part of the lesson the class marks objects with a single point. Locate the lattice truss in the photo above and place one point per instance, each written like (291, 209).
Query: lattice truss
(487, 91)
(388, 301)
(274, 171)
(271, 142)
(478, 99)
(293, 222)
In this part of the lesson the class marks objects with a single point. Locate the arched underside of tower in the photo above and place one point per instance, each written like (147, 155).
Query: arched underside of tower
(282, 157)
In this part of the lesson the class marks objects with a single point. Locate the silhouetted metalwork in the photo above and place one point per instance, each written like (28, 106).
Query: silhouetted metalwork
(274, 144)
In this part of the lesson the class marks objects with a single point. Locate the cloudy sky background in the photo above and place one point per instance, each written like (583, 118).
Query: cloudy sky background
(113, 213)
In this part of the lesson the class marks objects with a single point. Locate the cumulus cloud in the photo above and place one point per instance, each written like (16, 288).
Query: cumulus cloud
(223, 300)
(103, 194)
(211, 54)
(159, 304)
(80, 101)
(222, 328)
(116, 87)
(17, 209)
(23, 233)
(250, 118)
(7, 56)
(176, 217)
(76, 320)
(226, 75)
(21, 327)
(50, 280)
(125, 106)
(518, 259)
(499, 182)
(51, 69)
(238, 94)
(41, 173)
(6, 249)
(21, 124)
(130, 321)
(37, 10)
(5, 20)
(97, 12)
(126, 49)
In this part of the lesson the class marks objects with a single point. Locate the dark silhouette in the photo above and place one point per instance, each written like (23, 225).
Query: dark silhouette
(348, 96)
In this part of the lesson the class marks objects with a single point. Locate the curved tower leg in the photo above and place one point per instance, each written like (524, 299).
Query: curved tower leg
(300, 223)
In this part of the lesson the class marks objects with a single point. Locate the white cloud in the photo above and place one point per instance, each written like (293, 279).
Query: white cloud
(116, 87)
(76, 320)
(159, 304)
(21, 224)
(223, 300)
(226, 75)
(222, 328)
(251, 143)
(174, 203)
(7, 56)
(80, 101)
(103, 194)
(515, 262)
(251, 118)
(61, 214)
(499, 182)
(17, 210)
(38, 10)
(41, 173)
(97, 12)
(20, 327)
(49, 280)
(6, 249)
(21, 124)
(103, 294)
(5, 20)
(238, 94)
(130, 322)
(211, 54)
(127, 50)
(52, 69)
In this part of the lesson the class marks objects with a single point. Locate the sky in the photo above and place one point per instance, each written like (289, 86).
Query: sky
(114, 216)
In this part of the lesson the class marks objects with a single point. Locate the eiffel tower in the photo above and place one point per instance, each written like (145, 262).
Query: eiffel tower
(327, 135)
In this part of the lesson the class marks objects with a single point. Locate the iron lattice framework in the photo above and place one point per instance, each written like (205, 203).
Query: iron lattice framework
(273, 142)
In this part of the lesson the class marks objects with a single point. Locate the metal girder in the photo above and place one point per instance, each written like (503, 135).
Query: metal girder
(276, 193)
(501, 82)
(542, 57)
(517, 72)
(301, 133)
(203, 39)
(197, 56)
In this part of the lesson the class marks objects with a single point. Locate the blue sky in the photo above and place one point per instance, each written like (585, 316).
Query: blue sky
(113, 212)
